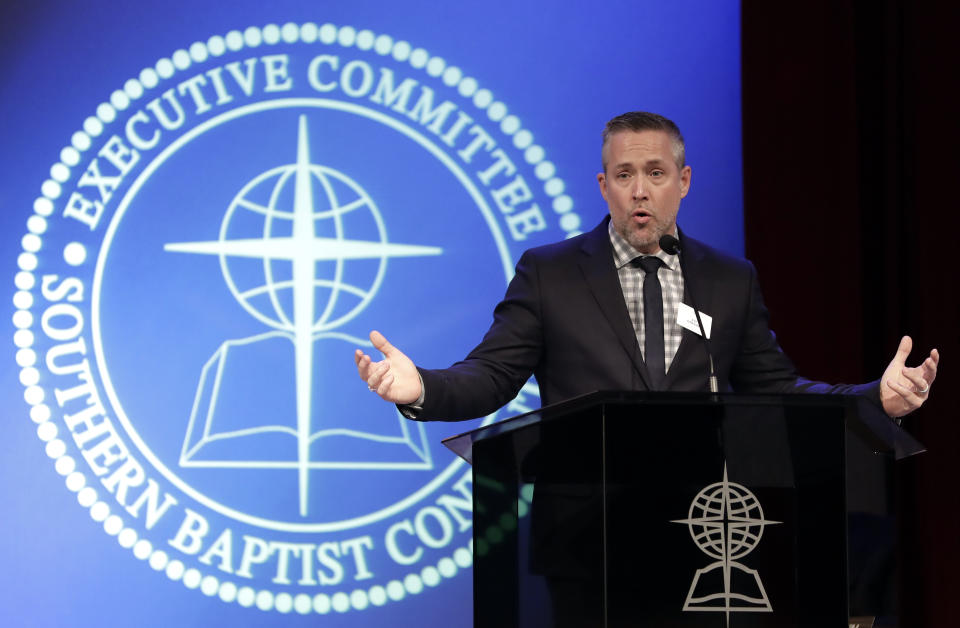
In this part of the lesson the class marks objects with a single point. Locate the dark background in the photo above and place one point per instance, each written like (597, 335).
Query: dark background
(850, 163)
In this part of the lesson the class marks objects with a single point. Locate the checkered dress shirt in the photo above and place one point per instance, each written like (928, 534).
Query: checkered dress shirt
(631, 282)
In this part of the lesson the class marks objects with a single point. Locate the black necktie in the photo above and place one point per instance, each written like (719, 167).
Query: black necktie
(653, 321)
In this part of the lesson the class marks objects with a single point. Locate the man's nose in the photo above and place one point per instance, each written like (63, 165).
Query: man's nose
(639, 189)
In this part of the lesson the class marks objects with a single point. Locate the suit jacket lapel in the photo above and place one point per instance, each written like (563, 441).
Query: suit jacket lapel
(596, 263)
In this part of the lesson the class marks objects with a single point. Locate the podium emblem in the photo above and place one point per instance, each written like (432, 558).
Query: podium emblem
(726, 522)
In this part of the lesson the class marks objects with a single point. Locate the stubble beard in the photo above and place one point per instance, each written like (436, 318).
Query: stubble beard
(646, 240)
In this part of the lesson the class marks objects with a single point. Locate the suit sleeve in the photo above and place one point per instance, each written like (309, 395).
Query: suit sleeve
(493, 373)
(761, 365)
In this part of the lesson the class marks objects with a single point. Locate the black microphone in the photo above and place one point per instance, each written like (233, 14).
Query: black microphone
(671, 246)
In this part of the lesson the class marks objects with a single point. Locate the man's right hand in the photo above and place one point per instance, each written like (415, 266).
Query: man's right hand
(394, 378)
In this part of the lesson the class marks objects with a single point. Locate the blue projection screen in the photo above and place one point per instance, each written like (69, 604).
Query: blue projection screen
(207, 207)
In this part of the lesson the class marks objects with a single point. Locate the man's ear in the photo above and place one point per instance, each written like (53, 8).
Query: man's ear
(602, 182)
(685, 177)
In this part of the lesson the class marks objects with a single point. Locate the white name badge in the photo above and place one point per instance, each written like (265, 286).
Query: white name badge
(688, 320)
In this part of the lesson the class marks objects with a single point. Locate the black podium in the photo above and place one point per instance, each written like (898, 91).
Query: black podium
(637, 509)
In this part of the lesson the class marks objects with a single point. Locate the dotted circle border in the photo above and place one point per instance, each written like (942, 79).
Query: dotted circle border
(75, 254)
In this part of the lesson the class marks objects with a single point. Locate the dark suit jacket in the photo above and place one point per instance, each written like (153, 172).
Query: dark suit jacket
(564, 320)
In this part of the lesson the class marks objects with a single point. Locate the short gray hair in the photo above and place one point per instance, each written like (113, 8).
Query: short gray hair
(645, 121)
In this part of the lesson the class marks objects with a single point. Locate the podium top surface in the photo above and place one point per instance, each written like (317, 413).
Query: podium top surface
(863, 417)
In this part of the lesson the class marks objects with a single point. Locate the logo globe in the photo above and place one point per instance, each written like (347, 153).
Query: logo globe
(271, 301)
(223, 445)
(735, 503)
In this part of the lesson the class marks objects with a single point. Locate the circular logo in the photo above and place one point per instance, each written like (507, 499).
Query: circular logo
(275, 222)
(737, 507)
(207, 253)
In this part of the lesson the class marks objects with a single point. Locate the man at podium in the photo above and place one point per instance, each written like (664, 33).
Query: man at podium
(634, 304)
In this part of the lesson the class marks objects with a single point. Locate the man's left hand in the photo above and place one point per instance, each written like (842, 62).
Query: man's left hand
(903, 389)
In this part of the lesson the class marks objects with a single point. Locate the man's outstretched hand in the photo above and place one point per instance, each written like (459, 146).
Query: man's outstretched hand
(903, 389)
(394, 378)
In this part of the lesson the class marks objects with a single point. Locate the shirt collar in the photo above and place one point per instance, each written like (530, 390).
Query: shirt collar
(624, 253)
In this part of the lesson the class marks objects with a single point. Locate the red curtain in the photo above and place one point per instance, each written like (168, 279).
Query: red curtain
(850, 160)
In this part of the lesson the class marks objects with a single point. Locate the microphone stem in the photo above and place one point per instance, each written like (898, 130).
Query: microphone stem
(714, 386)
